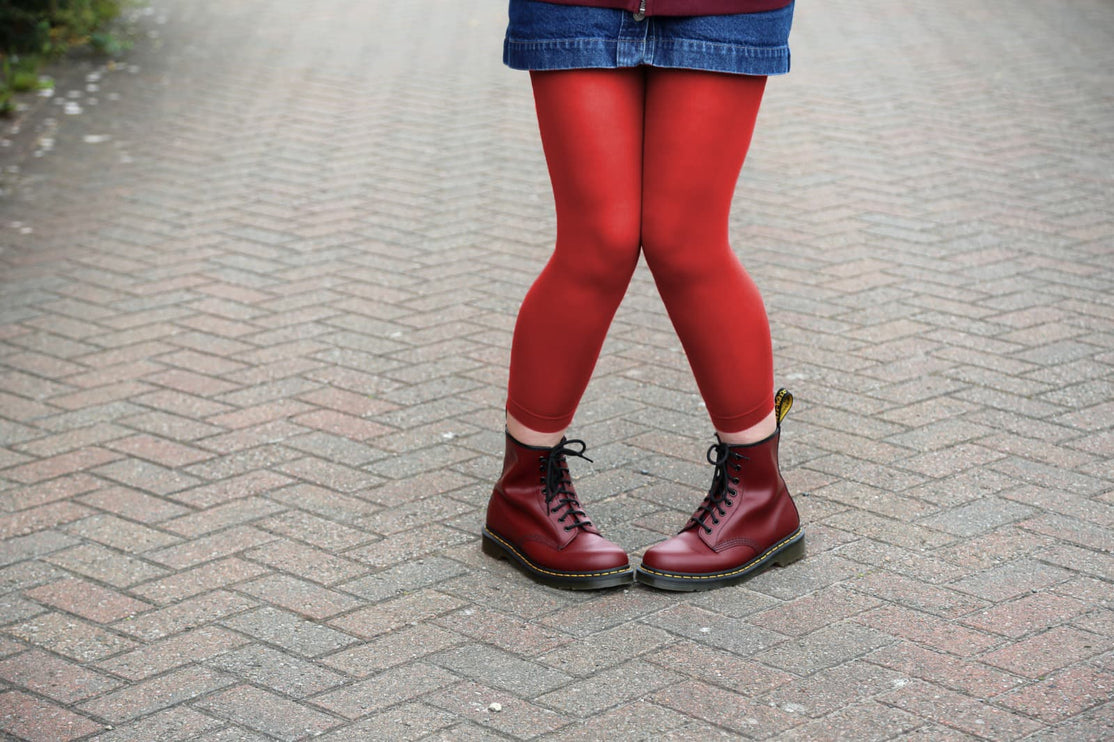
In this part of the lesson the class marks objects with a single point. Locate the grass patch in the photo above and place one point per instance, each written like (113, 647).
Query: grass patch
(33, 32)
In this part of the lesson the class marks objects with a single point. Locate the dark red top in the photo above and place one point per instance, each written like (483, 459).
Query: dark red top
(682, 7)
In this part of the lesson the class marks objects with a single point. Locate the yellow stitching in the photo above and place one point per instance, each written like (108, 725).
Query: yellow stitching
(719, 575)
(572, 575)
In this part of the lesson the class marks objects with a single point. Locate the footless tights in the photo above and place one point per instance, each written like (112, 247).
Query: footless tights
(643, 159)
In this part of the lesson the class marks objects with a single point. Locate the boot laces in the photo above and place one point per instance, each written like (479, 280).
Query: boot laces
(557, 483)
(728, 464)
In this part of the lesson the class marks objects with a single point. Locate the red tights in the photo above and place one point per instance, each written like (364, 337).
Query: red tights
(643, 159)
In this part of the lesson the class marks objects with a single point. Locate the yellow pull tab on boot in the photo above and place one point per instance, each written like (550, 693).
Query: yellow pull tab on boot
(783, 401)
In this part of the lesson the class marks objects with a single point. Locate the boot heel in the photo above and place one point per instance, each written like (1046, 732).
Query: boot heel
(491, 548)
(791, 553)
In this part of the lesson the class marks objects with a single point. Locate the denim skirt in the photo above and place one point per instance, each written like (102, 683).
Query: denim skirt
(546, 36)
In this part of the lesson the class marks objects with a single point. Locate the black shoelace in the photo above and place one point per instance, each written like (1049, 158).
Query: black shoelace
(559, 492)
(722, 489)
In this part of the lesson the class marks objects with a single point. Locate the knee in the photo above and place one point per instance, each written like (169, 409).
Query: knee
(602, 252)
(679, 251)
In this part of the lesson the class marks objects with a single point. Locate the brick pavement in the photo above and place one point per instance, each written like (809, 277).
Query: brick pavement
(257, 292)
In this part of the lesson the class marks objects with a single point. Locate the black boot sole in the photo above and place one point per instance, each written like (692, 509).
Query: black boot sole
(783, 553)
(500, 548)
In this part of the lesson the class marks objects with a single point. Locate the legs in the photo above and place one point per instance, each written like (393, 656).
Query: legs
(698, 129)
(591, 129)
(644, 159)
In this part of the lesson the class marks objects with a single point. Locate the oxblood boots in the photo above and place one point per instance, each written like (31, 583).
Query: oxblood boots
(746, 522)
(535, 520)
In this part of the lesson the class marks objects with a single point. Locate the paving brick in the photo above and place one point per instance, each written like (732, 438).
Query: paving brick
(249, 416)
(306, 562)
(234, 488)
(208, 548)
(232, 513)
(389, 650)
(384, 690)
(155, 694)
(299, 596)
(1063, 695)
(1010, 580)
(509, 633)
(90, 435)
(60, 465)
(833, 689)
(121, 534)
(827, 569)
(175, 724)
(864, 721)
(963, 675)
(88, 600)
(1033, 612)
(40, 518)
(499, 669)
(270, 668)
(409, 721)
(916, 595)
(160, 451)
(415, 485)
(968, 715)
(268, 714)
(1098, 621)
(323, 502)
(192, 612)
(27, 717)
(146, 477)
(1048, 651)
(55, 678)
(636, 720)
(135, 505)
(158, 656)
(189, 582)
(289, 631)
(410, 545)
(995, 548)
(715, 630)
(326, 474)
(106, 565)
(28, 574)
(339, 423)
(243, 462)
(719, 667)
(404, 578)
(916, 565)
(321, 532)
(725, 709)
(827, 647)
(928, 630)
(33, 545)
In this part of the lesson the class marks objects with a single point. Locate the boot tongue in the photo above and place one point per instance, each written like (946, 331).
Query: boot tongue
(559, 492)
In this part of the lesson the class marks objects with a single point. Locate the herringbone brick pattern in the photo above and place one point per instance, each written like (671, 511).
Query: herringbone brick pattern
(258, 283)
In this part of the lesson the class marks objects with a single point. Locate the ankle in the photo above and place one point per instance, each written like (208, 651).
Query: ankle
(530, 437)
(754, 434)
